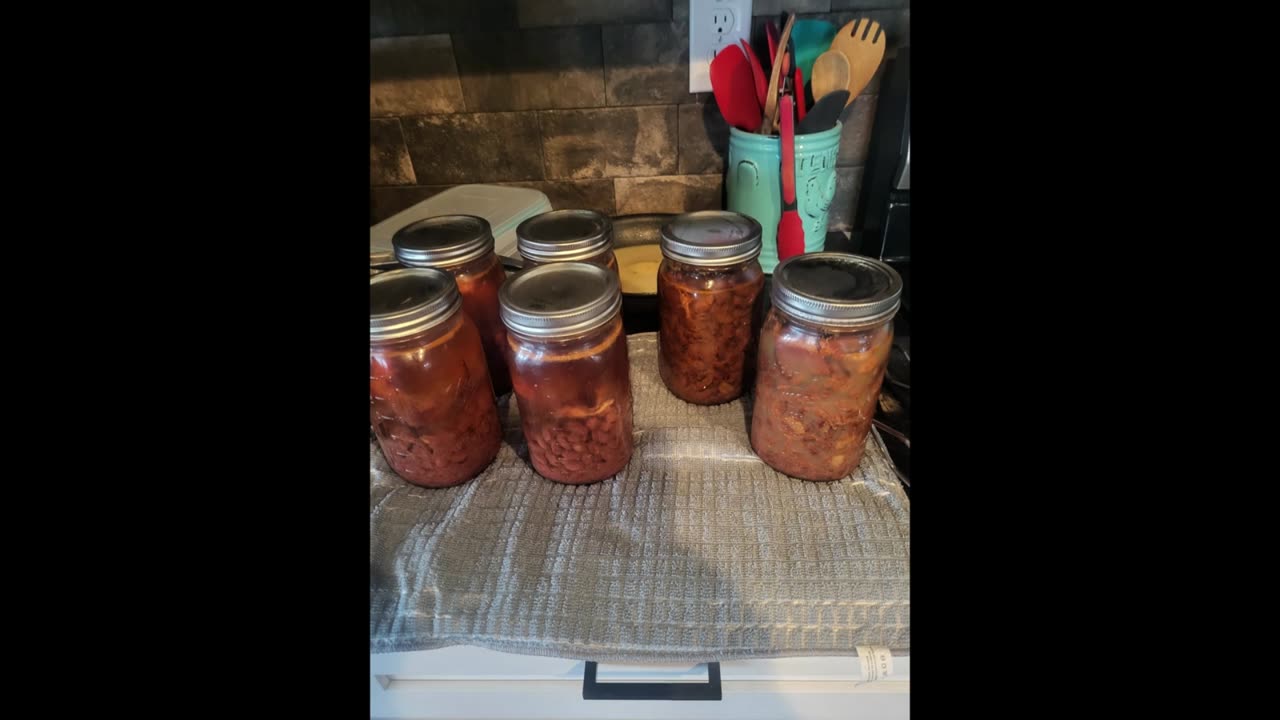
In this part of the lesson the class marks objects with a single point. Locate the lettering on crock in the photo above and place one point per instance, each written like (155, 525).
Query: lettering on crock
(816, 185)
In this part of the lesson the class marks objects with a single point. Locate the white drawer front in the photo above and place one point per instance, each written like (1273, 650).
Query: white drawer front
(462, 682)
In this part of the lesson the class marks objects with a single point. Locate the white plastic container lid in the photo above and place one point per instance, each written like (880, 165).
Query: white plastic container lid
(503, 207)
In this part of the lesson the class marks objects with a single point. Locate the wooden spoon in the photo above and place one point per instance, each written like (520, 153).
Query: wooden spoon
(771, 98)
(862, 41)
(830, 73)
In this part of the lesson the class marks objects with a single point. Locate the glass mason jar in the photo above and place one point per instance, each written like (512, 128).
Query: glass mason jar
(567, 236)
(462, 245)
(569, 368)
(824, 347)
(709, 292)
(431, 402)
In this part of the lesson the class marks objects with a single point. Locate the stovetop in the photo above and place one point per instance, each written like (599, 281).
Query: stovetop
(894, 409)
(895, 393)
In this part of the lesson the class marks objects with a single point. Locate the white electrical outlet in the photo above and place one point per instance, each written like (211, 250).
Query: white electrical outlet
(713, 26)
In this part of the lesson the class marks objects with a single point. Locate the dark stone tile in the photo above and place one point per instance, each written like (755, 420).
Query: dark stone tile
(387, 201)
(670, 194)
(611, 142)
(646, 64)
(844, 204)
(704, 139)
(575, 194)
(482, 15)
(473, 148)
(531, 69)
(391, 18)
(855, 136)
(389, 162)
(775, 8)
(542, 13)
(413, 76)
(869, 4)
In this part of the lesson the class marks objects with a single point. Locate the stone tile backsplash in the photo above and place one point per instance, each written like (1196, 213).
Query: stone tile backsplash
(531, 69)
(585, 100)
(609, 142)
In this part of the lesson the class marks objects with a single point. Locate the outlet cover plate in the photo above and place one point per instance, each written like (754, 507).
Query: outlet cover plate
(713, 26)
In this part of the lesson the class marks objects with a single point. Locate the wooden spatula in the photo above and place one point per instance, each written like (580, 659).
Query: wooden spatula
(862, 41)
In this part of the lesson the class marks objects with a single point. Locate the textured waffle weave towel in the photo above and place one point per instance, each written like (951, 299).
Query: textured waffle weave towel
(697, 551)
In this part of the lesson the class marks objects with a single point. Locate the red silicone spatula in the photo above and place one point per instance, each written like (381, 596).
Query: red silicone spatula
(790, 228)
(757, 72)
(735, 89)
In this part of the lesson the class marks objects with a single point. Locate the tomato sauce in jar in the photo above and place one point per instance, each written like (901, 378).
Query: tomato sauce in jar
(569, 369)
(709, 293)
(430, 397)
(567, 236)
(462, 245)
(823, 352)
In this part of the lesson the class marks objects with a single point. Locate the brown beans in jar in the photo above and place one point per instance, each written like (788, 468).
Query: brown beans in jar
(708, 316)
(431, 400)
(573, 389)
(824, 348)
(816, 395)
(479, 282)
(575, 405)
(709, 292)
(463, 246)
(567, 236)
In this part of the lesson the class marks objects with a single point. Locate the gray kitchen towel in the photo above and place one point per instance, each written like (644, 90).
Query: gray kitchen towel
(697, 551)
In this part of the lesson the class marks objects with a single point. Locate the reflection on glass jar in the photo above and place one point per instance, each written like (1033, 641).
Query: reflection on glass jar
(709, 291)
(823, 352)
(567, 236)
(462, 245)
(569, 369)
(431, 401)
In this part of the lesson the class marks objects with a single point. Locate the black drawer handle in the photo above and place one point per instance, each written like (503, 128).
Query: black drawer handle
(710, 690)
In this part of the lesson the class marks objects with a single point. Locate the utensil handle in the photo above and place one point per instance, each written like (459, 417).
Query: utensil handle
(788, 151)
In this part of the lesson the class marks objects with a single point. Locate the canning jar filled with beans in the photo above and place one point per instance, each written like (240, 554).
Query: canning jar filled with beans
(709, 293)
(569, 370)
(567, 236)
(823, 352)
(462, 245)
(431, 401)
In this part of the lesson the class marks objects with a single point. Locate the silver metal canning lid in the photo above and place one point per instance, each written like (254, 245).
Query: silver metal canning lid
(560, 299)
(564, 236)
(406, 302)
(837, 289)
(442, 241)
(711, 238)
